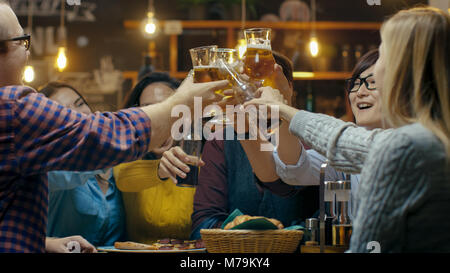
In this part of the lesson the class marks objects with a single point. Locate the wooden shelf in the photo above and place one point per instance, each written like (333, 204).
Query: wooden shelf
(221, 24)
(233, 26)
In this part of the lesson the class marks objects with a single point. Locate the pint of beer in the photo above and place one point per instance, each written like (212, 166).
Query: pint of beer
(206, 74)
(229, 56)
(259, 61)
(203, 61)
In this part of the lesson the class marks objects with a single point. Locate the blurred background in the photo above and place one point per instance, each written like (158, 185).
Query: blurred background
(100, 46)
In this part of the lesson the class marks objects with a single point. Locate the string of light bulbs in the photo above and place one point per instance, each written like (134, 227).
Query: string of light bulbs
(28, 73)
(241, 46)
(313, 42)
(150, 24)
(61, 59)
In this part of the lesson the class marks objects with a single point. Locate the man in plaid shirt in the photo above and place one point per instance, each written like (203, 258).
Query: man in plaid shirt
(38, 135)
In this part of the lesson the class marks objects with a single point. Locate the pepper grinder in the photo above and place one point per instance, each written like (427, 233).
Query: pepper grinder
(327, 208)
(330, 210)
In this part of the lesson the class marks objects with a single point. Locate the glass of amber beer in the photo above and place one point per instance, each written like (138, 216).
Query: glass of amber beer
(203, 62)
(259, 62)
(229, 56)
(206, 70)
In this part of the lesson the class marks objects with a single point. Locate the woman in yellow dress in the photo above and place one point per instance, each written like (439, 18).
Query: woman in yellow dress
(155, 207)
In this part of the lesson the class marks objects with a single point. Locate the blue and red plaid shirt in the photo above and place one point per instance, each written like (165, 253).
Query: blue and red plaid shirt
(38, 135)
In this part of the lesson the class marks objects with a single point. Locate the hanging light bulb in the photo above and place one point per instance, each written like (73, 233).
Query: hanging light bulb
(314, 47)
(241, 46)
(61, 60)
(313, 43)
(28, 74)
(150, 24)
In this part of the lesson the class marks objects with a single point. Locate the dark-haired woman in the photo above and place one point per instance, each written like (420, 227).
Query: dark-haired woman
(366, 107)
(155, 207)
(83, 203)
(297, 166)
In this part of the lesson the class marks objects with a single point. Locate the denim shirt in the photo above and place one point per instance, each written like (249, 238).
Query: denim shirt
(77, 206)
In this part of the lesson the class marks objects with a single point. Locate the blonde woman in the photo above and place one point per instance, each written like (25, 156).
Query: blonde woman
(405, 184)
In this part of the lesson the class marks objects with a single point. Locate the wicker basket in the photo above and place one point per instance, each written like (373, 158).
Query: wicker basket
(251, 241)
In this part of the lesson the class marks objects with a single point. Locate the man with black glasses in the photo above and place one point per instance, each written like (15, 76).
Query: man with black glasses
(38, 135)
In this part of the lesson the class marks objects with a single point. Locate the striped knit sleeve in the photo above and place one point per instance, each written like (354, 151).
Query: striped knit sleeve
(344, 144)
(393, 182)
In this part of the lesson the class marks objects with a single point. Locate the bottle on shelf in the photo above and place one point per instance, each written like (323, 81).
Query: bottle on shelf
(310, 99)
(359, 49)
(146, 68)
(346, 58)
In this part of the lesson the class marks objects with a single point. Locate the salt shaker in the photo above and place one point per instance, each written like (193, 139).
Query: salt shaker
(312, 228)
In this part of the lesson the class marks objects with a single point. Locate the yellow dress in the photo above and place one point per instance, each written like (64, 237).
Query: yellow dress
(154, 208)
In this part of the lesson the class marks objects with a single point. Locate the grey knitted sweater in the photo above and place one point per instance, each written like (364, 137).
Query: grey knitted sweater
(403, 202)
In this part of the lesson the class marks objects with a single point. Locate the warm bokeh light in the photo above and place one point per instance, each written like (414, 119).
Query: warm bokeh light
(314, 47)
(241, 47)
(28, 74)
(61, 60)
(150, 25)
(299, 74)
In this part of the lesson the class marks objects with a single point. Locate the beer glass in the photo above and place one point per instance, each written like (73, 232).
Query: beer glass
(205, 69)
(259, 61)
(203, 61)
(243, 89)
(228, 55)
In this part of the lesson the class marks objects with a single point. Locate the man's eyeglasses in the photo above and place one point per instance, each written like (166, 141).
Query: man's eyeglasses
(24, 39)
(353, 84)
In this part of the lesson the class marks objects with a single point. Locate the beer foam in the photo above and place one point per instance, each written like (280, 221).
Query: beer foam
(259, 46)
(205, 67)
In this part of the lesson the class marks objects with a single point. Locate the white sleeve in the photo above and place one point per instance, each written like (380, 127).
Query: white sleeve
(307, 170)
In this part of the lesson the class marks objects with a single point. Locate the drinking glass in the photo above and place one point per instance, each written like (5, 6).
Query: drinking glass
(203, 62)
(259, 61)
(193, 149)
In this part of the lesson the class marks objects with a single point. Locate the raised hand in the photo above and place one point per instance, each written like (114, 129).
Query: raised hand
(188, 90)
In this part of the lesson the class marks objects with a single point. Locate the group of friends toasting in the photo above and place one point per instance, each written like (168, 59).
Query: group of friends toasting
(68, 173)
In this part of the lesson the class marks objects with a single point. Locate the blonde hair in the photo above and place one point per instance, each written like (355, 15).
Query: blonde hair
(416, 49)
